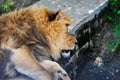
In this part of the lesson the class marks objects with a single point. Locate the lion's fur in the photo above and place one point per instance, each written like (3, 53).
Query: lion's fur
(43, 34)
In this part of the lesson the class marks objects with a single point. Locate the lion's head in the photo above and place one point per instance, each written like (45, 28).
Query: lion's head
(57, 33)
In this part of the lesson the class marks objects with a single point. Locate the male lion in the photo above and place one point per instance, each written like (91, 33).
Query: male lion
(35, 36)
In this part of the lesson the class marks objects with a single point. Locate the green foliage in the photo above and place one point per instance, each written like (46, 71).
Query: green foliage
(113, 16)
(6, 5)
(112, 46)
(117, 29)
(114, 11)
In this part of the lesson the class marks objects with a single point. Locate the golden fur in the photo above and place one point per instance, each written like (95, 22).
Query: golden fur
(35, 34)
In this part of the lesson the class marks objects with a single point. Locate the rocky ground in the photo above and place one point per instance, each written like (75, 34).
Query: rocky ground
(23, 3)
(102, 63)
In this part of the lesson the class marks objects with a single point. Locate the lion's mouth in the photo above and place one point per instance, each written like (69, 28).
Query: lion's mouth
(66, 53)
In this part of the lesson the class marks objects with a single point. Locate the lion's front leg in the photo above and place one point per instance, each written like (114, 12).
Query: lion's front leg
(54, 68)
(27, 65)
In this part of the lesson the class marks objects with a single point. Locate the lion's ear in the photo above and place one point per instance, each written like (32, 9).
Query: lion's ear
(52, 15)
(64, 18)
(59, 16)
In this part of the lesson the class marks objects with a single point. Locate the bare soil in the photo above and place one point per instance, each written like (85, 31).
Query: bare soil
(102, 64)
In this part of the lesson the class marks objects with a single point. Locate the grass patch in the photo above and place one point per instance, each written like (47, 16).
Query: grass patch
(114, 17)
(6, 5)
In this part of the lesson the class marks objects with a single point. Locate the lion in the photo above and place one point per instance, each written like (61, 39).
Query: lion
(36, 36)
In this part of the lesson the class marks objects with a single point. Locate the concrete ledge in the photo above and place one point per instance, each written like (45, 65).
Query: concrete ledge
(81, 11)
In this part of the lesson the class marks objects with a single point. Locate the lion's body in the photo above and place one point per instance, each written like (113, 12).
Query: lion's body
(34, 34)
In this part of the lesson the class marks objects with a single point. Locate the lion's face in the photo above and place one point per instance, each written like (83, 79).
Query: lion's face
(58, 35)
(69, 40)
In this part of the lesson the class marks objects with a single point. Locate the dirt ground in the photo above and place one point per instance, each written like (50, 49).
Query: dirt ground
(102, 63)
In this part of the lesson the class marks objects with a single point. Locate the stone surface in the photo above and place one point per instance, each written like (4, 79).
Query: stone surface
(80, 11)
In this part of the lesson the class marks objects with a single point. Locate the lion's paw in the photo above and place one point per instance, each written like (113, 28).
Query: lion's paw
(54, 68)
(60, 75)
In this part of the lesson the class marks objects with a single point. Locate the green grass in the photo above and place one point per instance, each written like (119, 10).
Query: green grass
(114, 17)
(6, 5)
(117, 29)
(112, 46)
